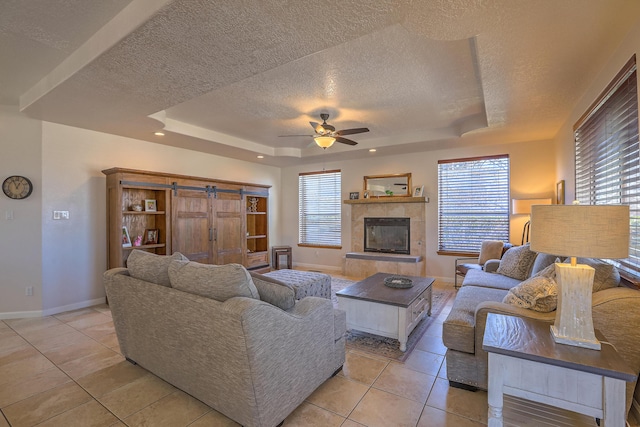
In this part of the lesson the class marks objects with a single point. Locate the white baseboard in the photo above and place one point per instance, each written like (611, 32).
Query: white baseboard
(52, 311)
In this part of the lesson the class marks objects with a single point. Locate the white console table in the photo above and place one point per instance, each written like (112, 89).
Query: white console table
(525, 361)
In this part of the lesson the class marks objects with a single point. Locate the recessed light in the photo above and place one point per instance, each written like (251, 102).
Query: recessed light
(372, 150)
(159, 133)
(261, 157)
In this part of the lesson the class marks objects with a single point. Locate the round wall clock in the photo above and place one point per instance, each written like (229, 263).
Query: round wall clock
(17, 187)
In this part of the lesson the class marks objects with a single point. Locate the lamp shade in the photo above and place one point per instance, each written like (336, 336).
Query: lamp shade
(523, 206)
(589, 231)
(324, 141)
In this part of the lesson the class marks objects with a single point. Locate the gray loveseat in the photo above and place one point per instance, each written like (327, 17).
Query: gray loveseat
(242, 355)
(616, 313)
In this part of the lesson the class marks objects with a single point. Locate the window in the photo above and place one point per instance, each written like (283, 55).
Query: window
(473, 203)
(607, 155)
(319, 209)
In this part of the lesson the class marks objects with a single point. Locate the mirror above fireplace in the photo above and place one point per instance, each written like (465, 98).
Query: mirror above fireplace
(388, 185)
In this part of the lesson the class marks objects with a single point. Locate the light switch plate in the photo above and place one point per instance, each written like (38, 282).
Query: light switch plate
(60, 214)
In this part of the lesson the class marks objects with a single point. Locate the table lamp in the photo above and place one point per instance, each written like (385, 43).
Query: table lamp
(523, 207)
(600, 231)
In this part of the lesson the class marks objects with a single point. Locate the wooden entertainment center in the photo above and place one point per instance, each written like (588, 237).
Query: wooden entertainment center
(207, 220)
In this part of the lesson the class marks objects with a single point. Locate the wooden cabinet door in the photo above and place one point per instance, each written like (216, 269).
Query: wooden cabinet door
(229, 229)
(192, 225)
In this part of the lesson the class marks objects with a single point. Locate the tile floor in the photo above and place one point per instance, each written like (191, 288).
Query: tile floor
(66, 370)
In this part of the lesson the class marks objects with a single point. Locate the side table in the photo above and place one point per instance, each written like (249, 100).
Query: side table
(525, 361)
(276, 251)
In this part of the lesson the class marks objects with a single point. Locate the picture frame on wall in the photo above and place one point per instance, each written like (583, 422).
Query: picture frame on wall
(560, 193)
(418, 191)
(126, 240)
(151, 236)
(354, 195)
(150, 205)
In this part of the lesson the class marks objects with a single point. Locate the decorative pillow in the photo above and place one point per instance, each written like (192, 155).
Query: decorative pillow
(490, 249)
(606, 276)
(539, 293)
(541, 262)
(274, 291)
(151, 267)
(219, 282)
(516, 262)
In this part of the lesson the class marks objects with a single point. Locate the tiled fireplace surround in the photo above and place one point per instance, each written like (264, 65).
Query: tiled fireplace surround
(359, 263)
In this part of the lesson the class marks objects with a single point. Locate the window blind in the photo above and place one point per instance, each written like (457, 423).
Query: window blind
(473, 203)
(607, 163)
(320, 208)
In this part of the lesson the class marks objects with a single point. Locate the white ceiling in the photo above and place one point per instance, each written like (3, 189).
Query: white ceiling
(230, 77)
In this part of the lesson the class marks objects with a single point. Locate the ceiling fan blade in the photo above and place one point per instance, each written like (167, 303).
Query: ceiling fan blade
(317, 127)
(284, 136)
(345, 141)
(352, 131)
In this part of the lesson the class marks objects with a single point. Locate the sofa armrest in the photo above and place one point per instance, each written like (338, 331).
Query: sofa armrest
(115, 271)
(491, 266)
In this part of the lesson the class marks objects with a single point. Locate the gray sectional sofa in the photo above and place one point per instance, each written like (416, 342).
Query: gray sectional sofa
(616, 311)
(240, 343)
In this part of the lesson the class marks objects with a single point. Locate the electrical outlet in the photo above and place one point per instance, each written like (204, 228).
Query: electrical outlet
(8, 215)
(29, 291)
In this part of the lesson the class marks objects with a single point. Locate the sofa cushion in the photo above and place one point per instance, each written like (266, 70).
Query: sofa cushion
(538, 293)
(606, 275)
(516, 262)
(458, 331)
(150, 267)
(541, 262)
(274, 291)
(490, 249)
(219, 282)
(489, 280)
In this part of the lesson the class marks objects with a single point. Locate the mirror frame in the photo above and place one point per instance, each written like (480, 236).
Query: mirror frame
(407, 193)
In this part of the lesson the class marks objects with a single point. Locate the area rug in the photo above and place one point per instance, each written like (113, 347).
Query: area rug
(389, 347)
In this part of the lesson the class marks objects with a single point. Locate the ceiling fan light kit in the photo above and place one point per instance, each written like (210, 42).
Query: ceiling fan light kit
(326, 134)
(324, 141)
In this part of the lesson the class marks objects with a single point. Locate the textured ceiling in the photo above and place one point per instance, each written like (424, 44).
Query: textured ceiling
(230, 78)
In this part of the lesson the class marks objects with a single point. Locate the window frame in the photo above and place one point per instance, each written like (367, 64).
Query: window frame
(451, 249)
(332, 205)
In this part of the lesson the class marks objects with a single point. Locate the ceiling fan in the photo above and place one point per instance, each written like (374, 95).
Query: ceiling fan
(326, 134)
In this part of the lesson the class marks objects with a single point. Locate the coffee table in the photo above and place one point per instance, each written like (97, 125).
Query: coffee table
(373, 307)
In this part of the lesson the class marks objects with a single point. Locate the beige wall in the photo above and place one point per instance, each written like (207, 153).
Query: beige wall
(64, 260)
(20, 237)
(564, 140)
(532, 175)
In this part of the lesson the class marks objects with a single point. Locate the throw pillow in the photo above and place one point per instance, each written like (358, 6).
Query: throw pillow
(606, 275)
(541, 262)
(219, 282)
(516, 262)
(274, 291)
(490, 249)
(150, 267)
(538, 293)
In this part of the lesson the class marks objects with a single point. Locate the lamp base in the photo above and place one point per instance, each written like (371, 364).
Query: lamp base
(578, 342)
(574, 322)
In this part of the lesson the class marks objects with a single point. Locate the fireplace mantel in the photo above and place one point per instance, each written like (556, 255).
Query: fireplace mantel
(387, 199)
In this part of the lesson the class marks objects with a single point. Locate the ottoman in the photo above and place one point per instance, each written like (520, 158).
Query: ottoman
(305, 283)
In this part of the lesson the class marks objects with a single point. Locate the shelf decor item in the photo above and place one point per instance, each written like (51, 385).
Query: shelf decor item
(151, 236)
(150, 205)
(398, 282)
(253, 204)
(136, 207)
(354, 195)
(418, 191)
(126, 240)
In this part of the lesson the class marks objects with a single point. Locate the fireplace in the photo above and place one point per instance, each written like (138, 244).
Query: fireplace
(387, 235)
